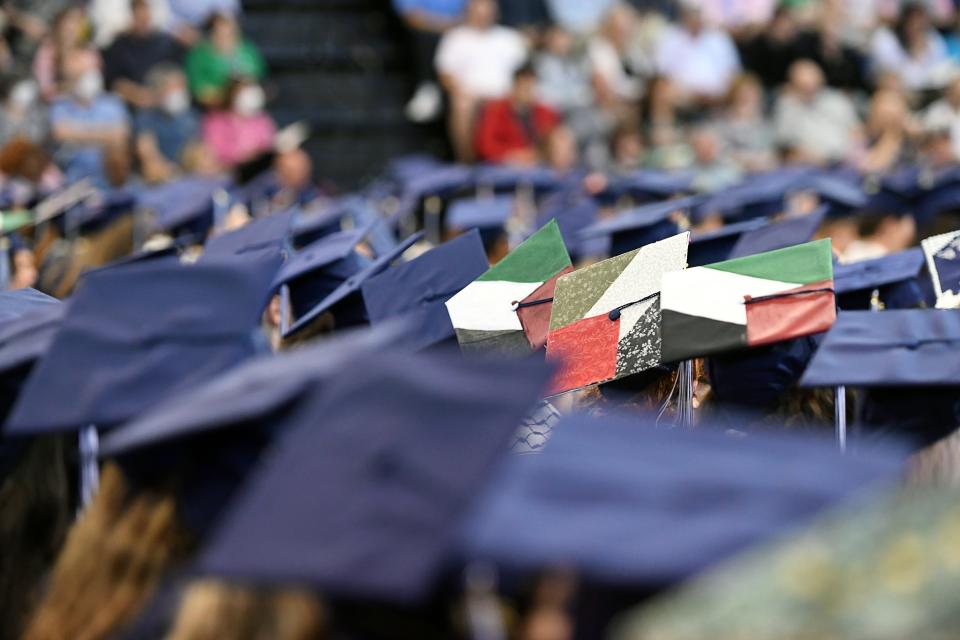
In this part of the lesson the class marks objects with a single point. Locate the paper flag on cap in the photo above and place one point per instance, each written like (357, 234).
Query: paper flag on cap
(484, 314)
(748, 301)
(606, 317)
(943, 261)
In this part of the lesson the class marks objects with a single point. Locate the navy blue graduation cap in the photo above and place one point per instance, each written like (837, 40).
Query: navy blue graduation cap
(643, 225)
(489, 215)
(314, 223)
(419, 289)
(779, 235)
(896, 278)
(364, 498)
(183, 205)
(442, 181)
(841, 196)
(18, 302)
(647, 185)
(939, 200)
(908, 362)
(100, 210)
(759, 196)
(501, 178)
(269, 232)
(574, 210)
(707, 247)
(626, 503)
(339, 279)
(135, 334)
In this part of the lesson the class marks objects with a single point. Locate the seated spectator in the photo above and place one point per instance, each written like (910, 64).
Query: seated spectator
(944, 115)
(85, 120)
(626, 149)
(475, 62)
(665, 134)
(189, 17)
(241, 131)
(223, 55)
(771, 52)
(912, 49)
(890, 134)
(31, 21)
(560, 151)
(700, 60)
(21, 116)
(295, 186)
(712, 167)
(512, 130)
(67, 39)
(110, 18)
(164, 130)
(843, 65)
(617, 75)
(743, 129)
(135, 52)
(577, 16)
(816, 124)
(426, 20)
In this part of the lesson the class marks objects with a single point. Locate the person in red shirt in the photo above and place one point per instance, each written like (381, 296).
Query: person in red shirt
(512, 130)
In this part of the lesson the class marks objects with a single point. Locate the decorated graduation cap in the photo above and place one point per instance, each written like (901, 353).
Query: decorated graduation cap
(880, 571)
(388, 480)
(942, 254)
(625, 503)
(643, 225)
(135, 334)
(419, 289)
(890, 282)
(605, 323)
(491, 313)
(270, 232)
(906, 359)
(331, 273)
(747, 302)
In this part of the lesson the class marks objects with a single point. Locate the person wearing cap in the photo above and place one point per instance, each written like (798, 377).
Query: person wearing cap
(512, 130)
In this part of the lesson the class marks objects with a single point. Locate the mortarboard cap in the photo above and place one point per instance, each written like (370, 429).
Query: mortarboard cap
(648, 185)
(419, 289)
(942, 254)
(314, 223)
(269, 232)
(502, 178)
(778, 235)
(758, 196)
(186, 203)
(100, 210)
(895, 277)
(388, 480)
(347, 293)
(489, 215)
(626, 503)
(135, 334)
(574, 210)
(716, 245)
(19, 302)
(839, 196)
(643, 225)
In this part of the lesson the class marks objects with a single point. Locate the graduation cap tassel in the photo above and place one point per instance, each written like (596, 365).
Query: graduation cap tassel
(483, 609)
(89, 471)
(685, 400)
(840, 411)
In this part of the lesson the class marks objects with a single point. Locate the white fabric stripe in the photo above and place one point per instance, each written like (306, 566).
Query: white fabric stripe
(641, 277)
(714, 294)
(485, 305)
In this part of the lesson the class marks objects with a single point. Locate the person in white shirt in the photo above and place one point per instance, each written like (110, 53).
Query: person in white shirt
(111, 17)
(701, 61)
(475, 62)
(913, 50)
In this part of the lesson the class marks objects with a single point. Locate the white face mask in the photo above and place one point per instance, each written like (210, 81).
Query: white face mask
(24, 94)
(89, 85)
(176, 102)
(249, 101)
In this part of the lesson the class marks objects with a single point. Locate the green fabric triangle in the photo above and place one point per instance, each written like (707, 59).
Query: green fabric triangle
(802, 264)
(539, 258)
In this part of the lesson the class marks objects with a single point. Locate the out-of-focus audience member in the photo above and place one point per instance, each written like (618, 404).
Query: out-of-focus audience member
(22, 116)
(164, 130)
(426, 21)
(242, 129)
(912, 49)
(295, 186)
(666, 136)
(744, 130)
(944, 115)
(617, 76)
(890, 134)
(475, 62)
(820, 125)
(189, 17)
(626, 148)
(31, 21)
(713, 168)
(843, 65)
(223, 55)
(701, 60)
(85, 120)
(512, 130)
(135, 52)
(881, 235)
(578, 16)
(109, 18)
(770, 52)
(67, 38)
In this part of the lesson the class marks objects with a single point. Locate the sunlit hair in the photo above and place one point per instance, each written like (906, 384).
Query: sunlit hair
(35, 513)
(214, 610)
(114, 558)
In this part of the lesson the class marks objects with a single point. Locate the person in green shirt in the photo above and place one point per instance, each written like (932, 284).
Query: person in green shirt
(224, 54)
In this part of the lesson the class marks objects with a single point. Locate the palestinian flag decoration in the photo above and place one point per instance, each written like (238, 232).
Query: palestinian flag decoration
(943, 261)
(487, 314)
(606, 317)
(746, 302)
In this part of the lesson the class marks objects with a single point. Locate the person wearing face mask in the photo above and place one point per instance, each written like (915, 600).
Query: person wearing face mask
(223, 55)
(164, 130)
(86, 120)
(242, 130)
(21, 115)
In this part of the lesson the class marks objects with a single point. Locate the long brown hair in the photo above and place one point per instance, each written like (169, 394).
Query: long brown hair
(35, 513)
(114, 558)
(214, 610)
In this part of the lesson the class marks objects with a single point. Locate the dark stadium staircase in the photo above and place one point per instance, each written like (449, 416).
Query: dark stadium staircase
(342, 66)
